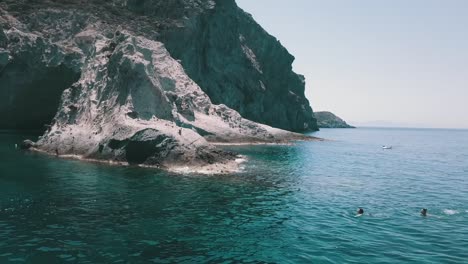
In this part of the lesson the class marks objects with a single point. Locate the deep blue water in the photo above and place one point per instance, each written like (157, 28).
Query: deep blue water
(291, 204)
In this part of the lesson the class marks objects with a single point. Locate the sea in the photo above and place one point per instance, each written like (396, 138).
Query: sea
(288, 204)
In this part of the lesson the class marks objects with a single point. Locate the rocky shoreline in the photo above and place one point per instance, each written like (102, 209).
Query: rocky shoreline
(225, 162)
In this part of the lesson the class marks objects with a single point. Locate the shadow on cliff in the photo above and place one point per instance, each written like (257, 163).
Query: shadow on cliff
(29, 98)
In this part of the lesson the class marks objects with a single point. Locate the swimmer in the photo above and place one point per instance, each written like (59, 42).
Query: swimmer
(360, 212)
(424, 212)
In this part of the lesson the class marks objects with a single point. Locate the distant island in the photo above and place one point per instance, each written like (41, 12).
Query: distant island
(329, 120)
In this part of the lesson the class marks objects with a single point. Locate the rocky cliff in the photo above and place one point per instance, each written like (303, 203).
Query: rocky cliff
(146, 82)
(239, 64)
(329, 120)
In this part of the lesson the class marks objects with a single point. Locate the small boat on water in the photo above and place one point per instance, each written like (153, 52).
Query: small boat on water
(387, 147)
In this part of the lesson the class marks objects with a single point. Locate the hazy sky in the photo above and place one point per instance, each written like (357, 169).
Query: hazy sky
(401, 61)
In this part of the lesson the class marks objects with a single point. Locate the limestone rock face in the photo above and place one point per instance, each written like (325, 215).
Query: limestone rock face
(329, 120)
(101, 77)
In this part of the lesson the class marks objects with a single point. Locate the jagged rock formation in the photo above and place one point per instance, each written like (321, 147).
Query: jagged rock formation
(329, 120)
(116, 92)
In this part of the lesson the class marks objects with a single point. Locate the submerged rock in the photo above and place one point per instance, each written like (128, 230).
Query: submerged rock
(102, 75)
(329, 120)
(27, 144)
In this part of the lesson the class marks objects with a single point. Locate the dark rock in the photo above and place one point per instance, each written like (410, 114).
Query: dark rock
(3, 39)
(133, 115)
(237, 63)
(27, 144)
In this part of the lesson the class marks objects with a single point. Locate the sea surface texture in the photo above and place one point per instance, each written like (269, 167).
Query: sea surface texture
(290, 204)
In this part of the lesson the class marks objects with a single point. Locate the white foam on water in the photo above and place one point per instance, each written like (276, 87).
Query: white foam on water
(241, 159)
(182, 170)
(450, 212)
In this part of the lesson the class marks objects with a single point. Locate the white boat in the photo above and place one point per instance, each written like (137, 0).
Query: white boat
(387, 147)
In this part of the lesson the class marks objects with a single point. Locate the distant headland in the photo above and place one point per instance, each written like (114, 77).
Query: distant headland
(329, 120)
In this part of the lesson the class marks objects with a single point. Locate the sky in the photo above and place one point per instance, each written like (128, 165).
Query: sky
(377, 62)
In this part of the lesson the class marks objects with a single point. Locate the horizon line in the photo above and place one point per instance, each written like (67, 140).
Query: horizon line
(410, 127)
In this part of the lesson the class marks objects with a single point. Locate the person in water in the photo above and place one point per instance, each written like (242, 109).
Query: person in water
(360, 211)
(424, 212)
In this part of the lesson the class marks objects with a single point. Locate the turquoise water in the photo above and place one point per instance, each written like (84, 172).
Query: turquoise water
(291, 204)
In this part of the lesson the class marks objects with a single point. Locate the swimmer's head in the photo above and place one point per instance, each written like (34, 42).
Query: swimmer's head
(424, 212)
(360, 211)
